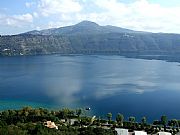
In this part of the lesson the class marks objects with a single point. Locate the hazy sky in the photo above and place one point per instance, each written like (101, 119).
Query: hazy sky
(18, 16)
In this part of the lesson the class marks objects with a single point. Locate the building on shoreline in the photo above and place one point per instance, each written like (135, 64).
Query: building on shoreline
(121, 131)
(163, 133)
(50, 124)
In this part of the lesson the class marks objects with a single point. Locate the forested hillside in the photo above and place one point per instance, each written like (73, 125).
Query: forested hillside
(88, 38)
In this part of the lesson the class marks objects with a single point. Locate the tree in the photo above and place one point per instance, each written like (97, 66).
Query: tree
(176, 123)
(164, 121)
(78, 112)
(5, 113)
(173, 123)
(37, 112)
(120, 119)
(132, 119)
(12, 112)
(28, 108)
(143, 120)
(109, 116)
(156, 122)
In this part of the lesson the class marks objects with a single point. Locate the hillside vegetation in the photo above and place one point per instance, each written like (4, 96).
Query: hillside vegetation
(89, 38)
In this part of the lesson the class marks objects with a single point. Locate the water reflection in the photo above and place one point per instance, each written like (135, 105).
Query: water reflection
(67, 81)
(106, 83)
(73, 79)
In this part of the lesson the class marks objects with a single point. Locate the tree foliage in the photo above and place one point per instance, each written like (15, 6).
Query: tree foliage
(119, 118)
(109, 116)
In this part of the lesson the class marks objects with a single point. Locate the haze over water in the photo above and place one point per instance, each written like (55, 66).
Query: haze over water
(133, 87)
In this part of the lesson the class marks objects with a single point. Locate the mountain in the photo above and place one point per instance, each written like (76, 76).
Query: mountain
(84, 27)
(89, 38)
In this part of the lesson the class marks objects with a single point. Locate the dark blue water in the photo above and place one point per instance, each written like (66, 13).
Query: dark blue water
(133, 87)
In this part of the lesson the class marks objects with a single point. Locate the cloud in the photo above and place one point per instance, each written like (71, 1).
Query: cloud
(30, 4)
(25, 17)
(138, 15)
(16, 20)
(35, 14)
(49, 7)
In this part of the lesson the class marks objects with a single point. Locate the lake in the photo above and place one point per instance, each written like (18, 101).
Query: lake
(133, 87)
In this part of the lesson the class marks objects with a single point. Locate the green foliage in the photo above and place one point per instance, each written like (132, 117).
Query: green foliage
(173, 123)
(144, 121)
(156, 122)
(164, 119)
(12, 130)
(78, 112)
(109, 116)
(132, 119)
(29, 121)
(119, 118)
(88, 40)
(85, 121)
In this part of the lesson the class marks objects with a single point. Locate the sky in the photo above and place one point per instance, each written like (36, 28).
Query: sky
(18, 16)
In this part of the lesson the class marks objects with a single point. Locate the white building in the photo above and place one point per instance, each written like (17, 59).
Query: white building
(140, 133)
(163, 133)
(50, 124)
(121, 131)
